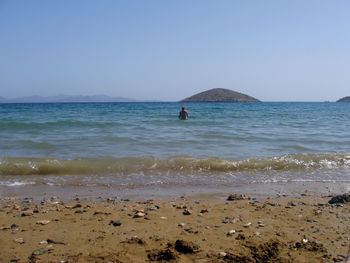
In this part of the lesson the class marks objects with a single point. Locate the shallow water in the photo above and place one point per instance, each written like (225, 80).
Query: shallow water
(140, 146)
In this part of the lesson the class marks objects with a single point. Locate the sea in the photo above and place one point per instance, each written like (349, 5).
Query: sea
(142, 150)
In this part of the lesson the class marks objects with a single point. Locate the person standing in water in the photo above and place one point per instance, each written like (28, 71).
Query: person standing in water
(183, 115)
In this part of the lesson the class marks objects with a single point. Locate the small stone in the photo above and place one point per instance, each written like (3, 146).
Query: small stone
(222, 254)
(248, 224)
(101, 213)
(115, 223)
(155, 207)
(163, 218)
(234, 197)
(187, 212)
(27, 213)
(231, 232)
(226, 220)
(305, 240)
(73, 206)
(136, 240)
(43, 242)
(43, 222)
(240, 237)
(204, 211)
(181, 206)
(139, 214)
(291, 203)
(181, 224)
(52, 241)
(19, 240)
(38, 252)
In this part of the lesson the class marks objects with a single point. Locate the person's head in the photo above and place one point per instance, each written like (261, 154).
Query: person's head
(183, 107)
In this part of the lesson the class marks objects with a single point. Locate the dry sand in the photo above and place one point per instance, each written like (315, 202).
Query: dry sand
(285, 229)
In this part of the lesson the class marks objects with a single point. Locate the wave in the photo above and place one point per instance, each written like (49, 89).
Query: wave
(180, 164)
(57, 124)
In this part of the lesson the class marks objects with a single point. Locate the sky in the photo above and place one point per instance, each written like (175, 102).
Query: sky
(283, 50)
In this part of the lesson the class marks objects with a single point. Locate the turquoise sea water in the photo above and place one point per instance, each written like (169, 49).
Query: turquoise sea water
(142, 145)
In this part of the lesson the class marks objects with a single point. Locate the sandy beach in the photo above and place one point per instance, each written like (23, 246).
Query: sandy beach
(279, 229)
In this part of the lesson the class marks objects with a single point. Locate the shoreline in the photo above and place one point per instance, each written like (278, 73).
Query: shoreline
(193, 229)
(42, 191)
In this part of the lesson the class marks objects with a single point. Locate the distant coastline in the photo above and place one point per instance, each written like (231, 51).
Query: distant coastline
(66, 99)
(227, 96)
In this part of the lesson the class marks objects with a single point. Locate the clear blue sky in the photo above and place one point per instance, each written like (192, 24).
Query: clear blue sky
(292, 50)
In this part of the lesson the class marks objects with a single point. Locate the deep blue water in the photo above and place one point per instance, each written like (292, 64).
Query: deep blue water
(222, 130)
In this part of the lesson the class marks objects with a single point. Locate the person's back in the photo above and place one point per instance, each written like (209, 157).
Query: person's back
(183, 115)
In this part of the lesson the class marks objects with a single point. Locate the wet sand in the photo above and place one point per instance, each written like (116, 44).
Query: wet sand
(283, 229)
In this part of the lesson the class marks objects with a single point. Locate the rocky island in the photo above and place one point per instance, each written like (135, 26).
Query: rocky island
(345, 99)
(220, 95)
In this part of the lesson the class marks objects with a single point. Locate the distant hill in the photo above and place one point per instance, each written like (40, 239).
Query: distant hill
(65, 98)
(220, 95)
(345, 99)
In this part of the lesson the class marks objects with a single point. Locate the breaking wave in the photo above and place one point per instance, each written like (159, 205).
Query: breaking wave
(180, 164)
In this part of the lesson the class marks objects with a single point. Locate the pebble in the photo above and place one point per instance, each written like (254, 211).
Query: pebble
(248, 224)
(44, 242)
(181, 224)
(234, 197)
(187, 212)
(19, 240)
(231, 232)
(226, 220)
(43, 222)
(139, 214)
(27, 213)
(155, 207)
(52, 241)
(38, 252)
(222, 254)
(74, 206)
(163, 217)
(240, 237)
(115, 223)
